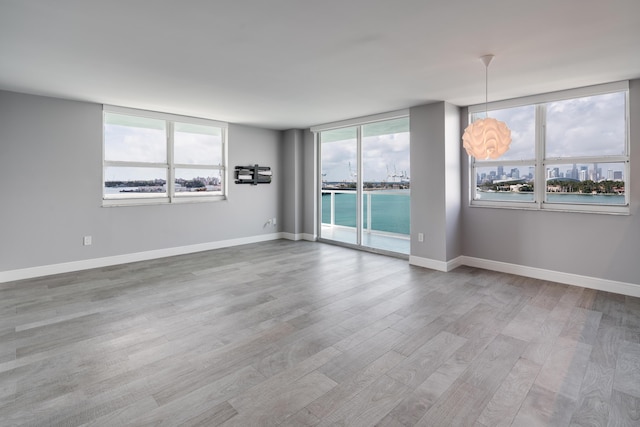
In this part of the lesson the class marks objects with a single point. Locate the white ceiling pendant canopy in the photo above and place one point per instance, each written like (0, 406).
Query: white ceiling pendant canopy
(486, 138)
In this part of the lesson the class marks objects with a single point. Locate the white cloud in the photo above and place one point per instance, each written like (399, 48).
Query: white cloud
(382, 155)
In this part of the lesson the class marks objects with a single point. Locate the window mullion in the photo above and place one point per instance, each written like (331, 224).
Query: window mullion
(134, 164)
(540, 139)
(593, 159)
(170, 166)
(197, 166)
(359, 208)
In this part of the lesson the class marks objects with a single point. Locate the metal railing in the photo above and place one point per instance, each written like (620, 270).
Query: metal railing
(368, 225)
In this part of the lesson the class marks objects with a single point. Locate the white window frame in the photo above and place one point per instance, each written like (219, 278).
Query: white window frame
(170, 166)
(540, 163)
(357, 123)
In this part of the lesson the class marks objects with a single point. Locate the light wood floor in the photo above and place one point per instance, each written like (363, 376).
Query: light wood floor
(304, 334)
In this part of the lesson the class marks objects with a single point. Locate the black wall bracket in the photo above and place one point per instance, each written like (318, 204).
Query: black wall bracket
(253, 175)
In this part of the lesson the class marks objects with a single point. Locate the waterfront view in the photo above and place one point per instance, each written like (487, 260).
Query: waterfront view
(595, 183)
(374, 155)
(159, 186)
(383, 210)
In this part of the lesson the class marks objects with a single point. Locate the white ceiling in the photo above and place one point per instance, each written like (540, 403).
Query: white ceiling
(296, 63)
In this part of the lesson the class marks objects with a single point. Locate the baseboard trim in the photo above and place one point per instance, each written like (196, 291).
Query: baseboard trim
(299, 236)
(623, 288)
(67, 267)
(309, 237)
(433, 264)
(428, 263)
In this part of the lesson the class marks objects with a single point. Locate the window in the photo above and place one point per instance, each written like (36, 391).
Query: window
(160, 158)
(365, 181)
(575, 143)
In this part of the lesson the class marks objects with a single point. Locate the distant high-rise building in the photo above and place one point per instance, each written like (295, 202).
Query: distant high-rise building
(515, 173)
(574, 172)
(617, 175)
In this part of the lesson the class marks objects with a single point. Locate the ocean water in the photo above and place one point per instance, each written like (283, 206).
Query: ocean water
(593, 199)
(389, 210)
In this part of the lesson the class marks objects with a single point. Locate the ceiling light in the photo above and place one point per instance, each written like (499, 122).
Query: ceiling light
(486, 138)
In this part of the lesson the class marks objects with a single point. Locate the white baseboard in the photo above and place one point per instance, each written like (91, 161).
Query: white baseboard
(309, 237)
(428, 263)
(299, 236)
(67, 267)
(623, 288)
(435, 264)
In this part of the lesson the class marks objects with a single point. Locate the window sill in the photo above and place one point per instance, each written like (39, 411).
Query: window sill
(556, 207)
(106, 203)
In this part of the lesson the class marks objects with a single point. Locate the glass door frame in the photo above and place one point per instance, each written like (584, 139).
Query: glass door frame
(358, 123)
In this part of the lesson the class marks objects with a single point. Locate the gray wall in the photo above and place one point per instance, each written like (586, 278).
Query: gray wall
(435, 181)
(292, 181)
(311, 185)
(50, 170)
(594, 245)
(51, 175)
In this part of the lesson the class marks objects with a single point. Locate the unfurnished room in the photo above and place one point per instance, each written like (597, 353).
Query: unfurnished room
(294, 213)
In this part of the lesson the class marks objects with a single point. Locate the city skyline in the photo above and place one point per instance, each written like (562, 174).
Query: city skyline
(576, 171)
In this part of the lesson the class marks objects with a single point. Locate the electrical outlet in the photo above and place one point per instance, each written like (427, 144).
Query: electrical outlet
(420, 237)
(86, 241)
(273, 221)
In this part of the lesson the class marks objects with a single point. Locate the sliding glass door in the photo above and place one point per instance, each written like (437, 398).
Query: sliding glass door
(339, 149)
(366, 185)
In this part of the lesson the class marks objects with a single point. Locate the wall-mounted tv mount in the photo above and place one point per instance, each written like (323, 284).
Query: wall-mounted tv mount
(253, 175)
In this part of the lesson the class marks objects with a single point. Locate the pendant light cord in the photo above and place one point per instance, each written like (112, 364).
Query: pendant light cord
(486, 91)
(486, 60)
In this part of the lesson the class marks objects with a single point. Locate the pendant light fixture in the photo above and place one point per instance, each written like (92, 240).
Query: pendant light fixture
(486, 138)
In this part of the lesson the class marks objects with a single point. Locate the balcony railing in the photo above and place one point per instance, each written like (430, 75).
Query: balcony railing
(384, 211)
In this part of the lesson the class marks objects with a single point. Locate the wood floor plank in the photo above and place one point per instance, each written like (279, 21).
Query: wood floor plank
(527, 325)
(279, 383)
(582, 325)
(276, 406)
(368, 406)
(348, 388)
(355, 359)
(624, 410)
(414, 406)
(595, 395)
(564, 370)
(304, 334)
(460, 406)
(487, 371)
(542, 407)
(627, 374)
(415, 369)
(506, 401)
